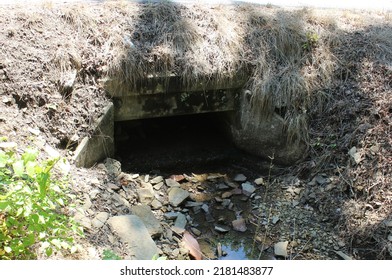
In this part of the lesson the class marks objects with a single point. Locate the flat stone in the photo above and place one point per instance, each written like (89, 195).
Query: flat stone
(87, 202)
(81, 219)
(193, 204)
(205, 208)
(240, 178)
(177, 196)
(113, 186)
(100, 219)
(239, 225)
(222, 186)
(146, 195)
(120, 200)
(172, 183)
(171, 215)
(248, 188)
(280, 249)
(150, 221)
(132, 231)
(275, 219)
(226, 202)
(180, 221)
(94, 193)
(227, 194)
(177, 230)
(221, 228)
(113, 166)
(156, 180)
(259, 181)
(195, 231)
(156, 204)
(158, 186)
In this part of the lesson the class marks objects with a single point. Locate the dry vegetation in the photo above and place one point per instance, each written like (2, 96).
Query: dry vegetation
(331, 76)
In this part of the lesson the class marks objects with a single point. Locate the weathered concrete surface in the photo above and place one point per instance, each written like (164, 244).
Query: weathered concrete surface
(143, 106)
(169, 84)
(266, 137)
(101, 144)
(132, 231)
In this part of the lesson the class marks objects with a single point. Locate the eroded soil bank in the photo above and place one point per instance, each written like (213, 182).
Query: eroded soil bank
(337, 200)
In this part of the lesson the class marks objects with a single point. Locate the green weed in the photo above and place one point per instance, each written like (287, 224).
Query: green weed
(33, 206)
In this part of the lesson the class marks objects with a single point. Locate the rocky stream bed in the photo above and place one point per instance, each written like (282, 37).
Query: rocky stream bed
(213, 215)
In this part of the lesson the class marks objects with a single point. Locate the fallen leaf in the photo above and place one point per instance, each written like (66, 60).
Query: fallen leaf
(192, 245)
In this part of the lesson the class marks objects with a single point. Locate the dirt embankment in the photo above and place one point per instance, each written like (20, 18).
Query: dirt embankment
(331, 71)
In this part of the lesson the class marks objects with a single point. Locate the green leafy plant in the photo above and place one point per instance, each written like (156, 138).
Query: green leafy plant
(312, 39)
(32, 207)
(110, 255)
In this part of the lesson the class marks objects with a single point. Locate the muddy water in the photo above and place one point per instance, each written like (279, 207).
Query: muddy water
(197, 145)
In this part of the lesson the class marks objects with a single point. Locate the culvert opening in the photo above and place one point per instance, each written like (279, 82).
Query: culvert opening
(170, 144)
(194, 153)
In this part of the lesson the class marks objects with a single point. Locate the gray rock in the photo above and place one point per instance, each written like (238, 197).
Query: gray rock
(239, 225)
(158, 186)
(113, 187)
(248, 188)
(100, 219)
(156, 204)
(113, 166)
(170, 215)
(195, 231)
(94, 193)
(147, 216)
(205, 208)
(193, 204)
(221, 228)
(87, 202)
(280, 249)
(146, 194)
(120, 200)
(82, 219)
(156, 180)
(180, 221)
(177, 196)
(259, 181)
(240, 178)
(131, 230)
(222, 186)
(172, 183)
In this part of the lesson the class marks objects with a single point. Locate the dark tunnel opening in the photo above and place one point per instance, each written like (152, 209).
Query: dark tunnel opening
(169, 144)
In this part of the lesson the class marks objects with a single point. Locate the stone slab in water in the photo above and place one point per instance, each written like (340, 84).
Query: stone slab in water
(131, 230)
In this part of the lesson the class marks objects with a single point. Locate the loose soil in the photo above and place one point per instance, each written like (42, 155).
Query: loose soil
(339, 199)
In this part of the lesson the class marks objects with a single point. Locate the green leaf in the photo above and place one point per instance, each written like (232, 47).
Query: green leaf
(30, 155)
(4, 205)
(49, 251)
(29, 240)
(3, 159)
(31, 168)
(18, 168)
(43, 180)
(19, 211)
